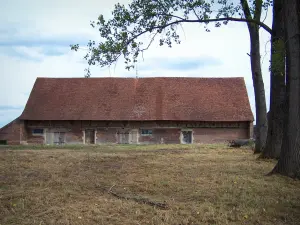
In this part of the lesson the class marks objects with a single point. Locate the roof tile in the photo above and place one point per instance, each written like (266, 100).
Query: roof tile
(160, 98)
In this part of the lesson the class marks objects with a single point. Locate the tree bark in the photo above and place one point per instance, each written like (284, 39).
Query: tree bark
(258, 83)
(259, 92)
(289, 161)
(277, 96)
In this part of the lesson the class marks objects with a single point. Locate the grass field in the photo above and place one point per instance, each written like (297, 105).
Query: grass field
(156, 184)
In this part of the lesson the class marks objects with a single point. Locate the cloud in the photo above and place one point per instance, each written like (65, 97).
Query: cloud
(37, 54)
(180, 63)
(55, 51)
(35, 38)
(9, 107)
(22, 53)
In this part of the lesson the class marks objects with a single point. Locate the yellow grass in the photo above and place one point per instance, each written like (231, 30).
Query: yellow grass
(201, 184)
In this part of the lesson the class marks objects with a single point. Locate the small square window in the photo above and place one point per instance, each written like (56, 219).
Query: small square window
(3, 142)
(38, 131)
(146, 132)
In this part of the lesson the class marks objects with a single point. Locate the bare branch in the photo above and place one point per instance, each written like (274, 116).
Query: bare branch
(111, 188)
(139, 199)
(171, 15)
(152, 39)
(265, 15)
(268, 29)
(266, 52)
(196, 14)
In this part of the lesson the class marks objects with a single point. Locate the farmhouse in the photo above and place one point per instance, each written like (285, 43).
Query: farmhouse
(133, 110)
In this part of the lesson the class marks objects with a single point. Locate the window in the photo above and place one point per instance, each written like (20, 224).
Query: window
(3, 142)
(38, 131)
(145, 132)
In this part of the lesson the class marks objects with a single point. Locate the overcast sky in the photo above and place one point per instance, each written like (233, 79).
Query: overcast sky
(35, 36)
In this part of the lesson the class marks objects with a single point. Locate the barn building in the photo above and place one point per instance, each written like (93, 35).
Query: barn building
(132, 110)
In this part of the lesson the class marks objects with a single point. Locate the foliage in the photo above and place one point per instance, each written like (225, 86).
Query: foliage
(120, 34)
(278, 64)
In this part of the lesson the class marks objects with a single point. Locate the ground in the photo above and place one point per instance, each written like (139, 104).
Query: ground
(193, 184)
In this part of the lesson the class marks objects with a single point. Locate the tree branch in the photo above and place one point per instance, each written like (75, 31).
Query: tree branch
(258, 7)
(265, 15)
(246, 9)
(268, 29)
(171, 15)
(247, 13)
(152, 39)
(139, 199)
(196, 14)
(159, 28)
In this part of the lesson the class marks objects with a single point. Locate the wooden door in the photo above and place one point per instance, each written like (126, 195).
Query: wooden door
(134, 136)
(49, 138)
(90, 136)
(59, 138)
(123, 137)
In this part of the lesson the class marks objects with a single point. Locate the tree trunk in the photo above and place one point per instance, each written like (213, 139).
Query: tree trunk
(258, 83)
(259, 91)
(289, 161)
(277, 96)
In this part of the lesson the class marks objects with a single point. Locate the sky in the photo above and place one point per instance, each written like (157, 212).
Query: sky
(35, 36)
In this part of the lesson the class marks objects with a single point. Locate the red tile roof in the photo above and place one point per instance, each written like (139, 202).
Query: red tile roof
(187, 99)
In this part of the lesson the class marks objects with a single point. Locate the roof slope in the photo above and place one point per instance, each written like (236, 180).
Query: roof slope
(189, 99)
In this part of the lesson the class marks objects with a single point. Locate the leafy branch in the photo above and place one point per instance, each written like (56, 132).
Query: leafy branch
(120, 35)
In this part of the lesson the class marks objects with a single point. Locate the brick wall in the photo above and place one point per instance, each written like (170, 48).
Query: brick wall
(74, 132)
(34, 139)
(167, 132)
(104, 135)
(74, 137)
(163, 136)
(14, 132)
(167, 136)
(215, 135)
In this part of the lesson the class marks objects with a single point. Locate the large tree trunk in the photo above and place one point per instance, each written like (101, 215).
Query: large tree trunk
(258, 83)
(289, 161)
(259, 91)
(277, 97)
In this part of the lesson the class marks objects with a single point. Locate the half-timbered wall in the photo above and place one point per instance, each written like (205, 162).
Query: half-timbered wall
(134, 132)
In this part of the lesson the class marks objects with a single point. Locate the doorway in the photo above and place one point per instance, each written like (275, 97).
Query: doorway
(134, 136)
(187, 137)
(58, 138)
(123, 137)
(90, 136)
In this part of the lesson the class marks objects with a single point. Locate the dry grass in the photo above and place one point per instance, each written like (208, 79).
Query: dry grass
(201, 184)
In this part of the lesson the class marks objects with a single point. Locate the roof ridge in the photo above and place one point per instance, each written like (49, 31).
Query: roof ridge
(134, 78)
